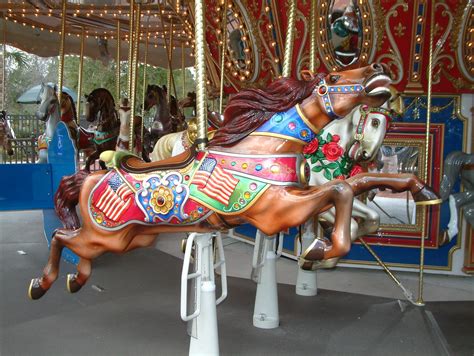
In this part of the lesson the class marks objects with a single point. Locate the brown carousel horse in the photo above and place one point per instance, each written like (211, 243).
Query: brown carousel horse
(100, 107)
(253, 172)
(168, 117)
(6, 134)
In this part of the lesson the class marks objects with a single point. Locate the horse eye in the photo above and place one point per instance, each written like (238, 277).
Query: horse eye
(334, 78)
(375, 123)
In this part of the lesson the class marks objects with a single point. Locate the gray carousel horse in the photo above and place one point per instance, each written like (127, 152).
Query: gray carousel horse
(458, 164)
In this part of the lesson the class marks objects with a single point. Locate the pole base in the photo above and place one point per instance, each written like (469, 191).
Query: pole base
(264, 322)
(306, 284)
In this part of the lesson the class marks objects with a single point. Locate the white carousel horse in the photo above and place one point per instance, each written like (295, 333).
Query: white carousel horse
(334, 154)
(49, 112)
(458, 164)
(123, 139)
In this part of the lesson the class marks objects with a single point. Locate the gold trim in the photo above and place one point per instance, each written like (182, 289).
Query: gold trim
(68, 281)
(305, 119)
(29, 289)
(429, 202)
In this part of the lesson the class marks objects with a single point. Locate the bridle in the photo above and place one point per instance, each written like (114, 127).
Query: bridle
(323, 90)
(365, 110)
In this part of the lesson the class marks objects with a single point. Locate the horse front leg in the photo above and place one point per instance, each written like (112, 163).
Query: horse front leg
(90, 159)
(422, 194)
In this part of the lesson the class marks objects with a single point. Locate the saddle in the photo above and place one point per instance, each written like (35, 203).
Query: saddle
(133, 164)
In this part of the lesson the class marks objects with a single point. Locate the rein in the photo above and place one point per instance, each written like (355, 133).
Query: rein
(323, 90)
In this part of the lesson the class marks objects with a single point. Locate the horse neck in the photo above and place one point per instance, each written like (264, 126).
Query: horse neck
(52, 122)
(107, 121)
(344, 128)
(162, 114)
(124, 117)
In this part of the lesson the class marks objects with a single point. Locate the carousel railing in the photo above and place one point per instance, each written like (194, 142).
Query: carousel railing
(24, 151)
(26, 126)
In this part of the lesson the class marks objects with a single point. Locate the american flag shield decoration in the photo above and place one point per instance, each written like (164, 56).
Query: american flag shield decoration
(115, 199)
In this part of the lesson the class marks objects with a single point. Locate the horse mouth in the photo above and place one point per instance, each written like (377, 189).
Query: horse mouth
(378, 85)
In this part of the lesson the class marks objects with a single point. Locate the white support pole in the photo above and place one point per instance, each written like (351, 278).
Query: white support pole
(306, 281)
(266, 314)
(204, 338)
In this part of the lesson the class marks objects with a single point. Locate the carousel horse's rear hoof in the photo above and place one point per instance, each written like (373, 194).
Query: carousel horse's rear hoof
(314, 252)
(72, 284)
(427, 196)
(443, 238)
(35, 291)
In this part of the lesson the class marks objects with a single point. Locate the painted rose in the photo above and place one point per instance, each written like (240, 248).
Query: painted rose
(355, 170)
(311, 147)
(336, 138)
(341, 177)
(332, 151)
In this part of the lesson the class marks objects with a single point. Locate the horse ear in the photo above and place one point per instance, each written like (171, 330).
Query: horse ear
(307, 75)
(165, 88)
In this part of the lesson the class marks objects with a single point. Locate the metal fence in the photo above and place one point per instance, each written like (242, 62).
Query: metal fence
(24, 151)
(26, 126)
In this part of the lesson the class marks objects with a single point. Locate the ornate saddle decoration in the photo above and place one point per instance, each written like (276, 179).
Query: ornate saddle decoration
(185, 194)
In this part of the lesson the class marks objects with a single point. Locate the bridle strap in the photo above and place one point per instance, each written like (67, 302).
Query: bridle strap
(324, 90)
(364, 114)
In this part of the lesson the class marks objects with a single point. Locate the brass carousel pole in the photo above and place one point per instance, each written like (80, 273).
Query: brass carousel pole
(222, 52)
(312, 43)
(4, 63)
(183, 70)
(61, 50)
(117, 65)
(79, 77)
(145, 59)
(429, 74)
(201, 102)
(133, 89)
(170, 67)
(130, 46)
(168, 49)
(290, 35)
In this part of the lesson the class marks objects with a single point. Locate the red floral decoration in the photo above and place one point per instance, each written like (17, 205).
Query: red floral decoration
(311, 147)
(332, 151)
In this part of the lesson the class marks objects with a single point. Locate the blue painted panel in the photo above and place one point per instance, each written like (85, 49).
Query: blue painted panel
(25, 186)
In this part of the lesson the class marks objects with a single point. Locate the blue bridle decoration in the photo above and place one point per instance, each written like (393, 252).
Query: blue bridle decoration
(323, 90)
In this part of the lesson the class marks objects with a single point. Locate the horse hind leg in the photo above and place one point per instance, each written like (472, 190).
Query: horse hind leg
(75, 281)
(40, 285)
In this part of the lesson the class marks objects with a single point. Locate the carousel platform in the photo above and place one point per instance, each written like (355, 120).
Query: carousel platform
(130, 306)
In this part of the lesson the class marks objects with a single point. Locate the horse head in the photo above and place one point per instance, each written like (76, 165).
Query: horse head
(155, 96)
(47, 100)
(189, 101)
(338, 93)
(99, 104)
(369, 125)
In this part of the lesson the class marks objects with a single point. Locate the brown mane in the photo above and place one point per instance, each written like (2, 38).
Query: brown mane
(250, 108)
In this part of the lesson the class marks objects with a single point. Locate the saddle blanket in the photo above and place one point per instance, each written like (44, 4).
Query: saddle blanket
(214, 182)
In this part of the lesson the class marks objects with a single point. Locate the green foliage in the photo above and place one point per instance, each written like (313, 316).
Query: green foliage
(25, 70)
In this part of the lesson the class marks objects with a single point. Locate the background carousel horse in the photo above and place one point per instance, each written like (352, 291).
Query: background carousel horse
(335, 154)
(100, 108)
(6, 134)
(458, 164)
(124, 115)
(255, 161)
(168, 117)
(178, 142)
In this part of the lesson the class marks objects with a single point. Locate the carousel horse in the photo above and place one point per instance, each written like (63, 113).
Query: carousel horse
(48, 111)
(253, 171)
(168, 117)
(458, 164)
(175, 143)
(6, 134)
(100, 107)
(124, 115)
(335, 154)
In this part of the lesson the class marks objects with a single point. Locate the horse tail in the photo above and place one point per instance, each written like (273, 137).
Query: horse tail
(67, 197)
(452, 167)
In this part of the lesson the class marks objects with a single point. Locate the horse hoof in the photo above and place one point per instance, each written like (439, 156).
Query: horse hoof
(72, 285)
(315, 251)
(35, 291)
(427, 196)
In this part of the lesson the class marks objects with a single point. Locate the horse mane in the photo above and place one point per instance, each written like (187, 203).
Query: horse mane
(250, 108)
(73, 106)
(109, 103)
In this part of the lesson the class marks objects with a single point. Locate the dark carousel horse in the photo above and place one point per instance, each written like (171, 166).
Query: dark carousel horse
(168, 117)
(100, 106)
(6, 134)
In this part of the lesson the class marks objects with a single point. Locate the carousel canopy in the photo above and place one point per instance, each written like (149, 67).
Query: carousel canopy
(31, 96)
(35, 25)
